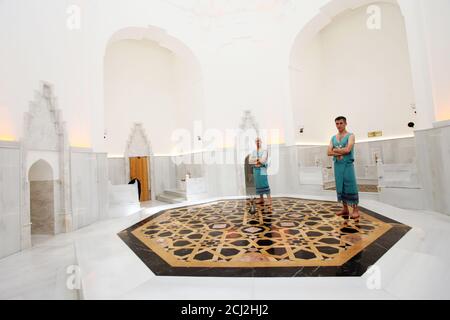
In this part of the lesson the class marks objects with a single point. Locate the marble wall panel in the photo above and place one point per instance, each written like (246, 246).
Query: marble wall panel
(10, 223)
(433, 155)
(164, 174)
(117, 171)
(102, 184)
(84, 189)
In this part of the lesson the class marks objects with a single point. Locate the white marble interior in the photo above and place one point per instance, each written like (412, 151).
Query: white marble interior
(389, 164)
(207, 85)
(402, 182)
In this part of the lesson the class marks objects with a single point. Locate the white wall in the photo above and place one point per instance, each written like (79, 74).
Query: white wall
(40, 171)
(427, 24)
(350, 70)
(35, 45)
(140, 86)
(149, 84)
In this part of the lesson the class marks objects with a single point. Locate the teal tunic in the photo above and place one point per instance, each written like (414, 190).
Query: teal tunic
(260, 175)
(344, 174)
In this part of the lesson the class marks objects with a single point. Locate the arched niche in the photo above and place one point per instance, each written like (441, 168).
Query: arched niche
(45, 145)
(138, 145)
(153, 78)
(42, 198)
(163, 39)
(327, 13)
(341, 64)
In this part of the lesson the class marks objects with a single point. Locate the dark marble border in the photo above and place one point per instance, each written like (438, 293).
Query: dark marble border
(355, 267)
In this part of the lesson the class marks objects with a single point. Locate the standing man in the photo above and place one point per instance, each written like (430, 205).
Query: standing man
(341, 148)
(259, 161)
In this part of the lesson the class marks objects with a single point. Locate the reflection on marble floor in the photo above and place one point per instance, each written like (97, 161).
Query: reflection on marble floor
(39, 273)
(291, 237)
(361, 188)
(152, 204)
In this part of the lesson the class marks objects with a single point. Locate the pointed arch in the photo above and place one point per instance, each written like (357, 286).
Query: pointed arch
(45, 144)
(138, 145)
(42, 199)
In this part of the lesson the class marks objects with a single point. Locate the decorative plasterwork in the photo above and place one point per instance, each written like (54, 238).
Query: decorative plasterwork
(248, 122)
(138, 144)
(44, 131)
(43, 126)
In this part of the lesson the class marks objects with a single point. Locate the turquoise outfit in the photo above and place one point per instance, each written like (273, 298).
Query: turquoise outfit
(344, 174)
(260, 175)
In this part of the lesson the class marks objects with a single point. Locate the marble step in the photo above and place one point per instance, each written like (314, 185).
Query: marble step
(165, 197)
(175, 193)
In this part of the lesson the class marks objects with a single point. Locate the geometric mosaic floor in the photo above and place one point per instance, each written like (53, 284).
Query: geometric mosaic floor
(293, 237)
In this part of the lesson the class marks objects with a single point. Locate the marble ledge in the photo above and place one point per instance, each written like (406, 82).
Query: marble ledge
(81, 150)
(10, 144)
(441, 124)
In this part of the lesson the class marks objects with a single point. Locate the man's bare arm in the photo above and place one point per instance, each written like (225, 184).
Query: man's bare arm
(252, 160)
(331, 152)
(263, 159)
(348, 149)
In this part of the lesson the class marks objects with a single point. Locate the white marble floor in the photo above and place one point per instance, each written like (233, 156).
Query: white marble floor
(415, 268)
(39, 272)
(42, 271)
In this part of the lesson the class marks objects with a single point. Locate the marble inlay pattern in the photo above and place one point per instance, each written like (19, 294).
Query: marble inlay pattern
(293, 237)
(42, 207)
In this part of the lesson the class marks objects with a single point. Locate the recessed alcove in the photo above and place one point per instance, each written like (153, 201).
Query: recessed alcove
(42, 199)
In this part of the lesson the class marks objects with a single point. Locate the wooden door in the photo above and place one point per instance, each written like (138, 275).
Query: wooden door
(139, 170)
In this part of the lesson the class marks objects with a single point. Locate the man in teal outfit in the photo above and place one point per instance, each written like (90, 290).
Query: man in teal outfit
(259, 159)
(341, 148)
